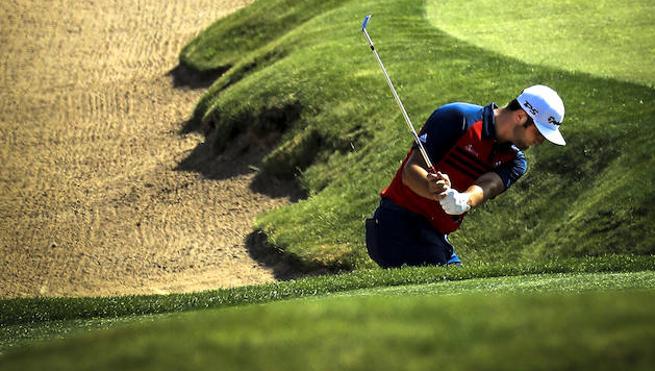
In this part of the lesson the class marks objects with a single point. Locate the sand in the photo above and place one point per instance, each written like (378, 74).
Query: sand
(92, 199)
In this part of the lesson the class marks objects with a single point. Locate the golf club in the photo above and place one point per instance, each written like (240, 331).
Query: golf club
(395, 95)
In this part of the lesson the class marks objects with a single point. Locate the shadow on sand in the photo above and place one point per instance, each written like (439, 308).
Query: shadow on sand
(242, 154)
(240, 158)
(185, 77)
(285, 267)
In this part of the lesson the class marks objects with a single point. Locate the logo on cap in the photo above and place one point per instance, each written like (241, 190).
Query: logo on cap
(546, 109)
(533, 110)
(552, 120)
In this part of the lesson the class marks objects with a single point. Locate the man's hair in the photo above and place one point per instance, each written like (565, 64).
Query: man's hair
(514, 105)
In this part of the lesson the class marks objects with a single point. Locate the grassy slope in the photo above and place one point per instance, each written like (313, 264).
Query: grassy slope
(611, 38)
(317, 83)
(602, 331)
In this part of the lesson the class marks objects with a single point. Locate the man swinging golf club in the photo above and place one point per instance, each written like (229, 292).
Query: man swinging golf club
(464, 155)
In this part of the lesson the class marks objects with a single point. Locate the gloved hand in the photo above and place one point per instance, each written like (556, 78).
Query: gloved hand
(455, 203)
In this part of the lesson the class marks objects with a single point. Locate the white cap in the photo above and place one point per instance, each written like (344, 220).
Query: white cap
(546, 109)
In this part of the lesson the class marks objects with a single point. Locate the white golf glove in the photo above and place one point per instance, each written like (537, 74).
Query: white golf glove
(455, 203)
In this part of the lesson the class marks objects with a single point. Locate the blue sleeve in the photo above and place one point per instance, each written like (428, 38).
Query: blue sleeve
(511, 171)
(441, 131)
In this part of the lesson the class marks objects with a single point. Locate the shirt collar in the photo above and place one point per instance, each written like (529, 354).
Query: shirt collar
(489, 121)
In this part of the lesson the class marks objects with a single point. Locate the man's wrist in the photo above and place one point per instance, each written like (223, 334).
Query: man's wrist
(469, 199)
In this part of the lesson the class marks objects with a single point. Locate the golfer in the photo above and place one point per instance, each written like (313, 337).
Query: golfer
(478, 154)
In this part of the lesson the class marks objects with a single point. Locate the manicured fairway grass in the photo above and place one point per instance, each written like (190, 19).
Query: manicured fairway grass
(38, 310)
(603, 331)
(18, 334)
(314, 91)
(610, 38)
(563, 282)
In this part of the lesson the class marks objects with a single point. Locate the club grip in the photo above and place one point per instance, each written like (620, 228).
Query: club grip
(365, 22)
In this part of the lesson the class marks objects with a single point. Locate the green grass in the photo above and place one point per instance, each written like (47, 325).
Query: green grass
(22, 335)
(316, 87)
(603, 331)
(537, 283)
(226, 41)
(17, 335)
(37, 310)
(27, 321)
(300, 72)
(607, 38)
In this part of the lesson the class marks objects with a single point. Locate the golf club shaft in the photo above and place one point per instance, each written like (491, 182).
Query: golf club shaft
(426, 158)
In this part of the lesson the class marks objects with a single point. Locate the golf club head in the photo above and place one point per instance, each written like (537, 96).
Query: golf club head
(365, 23)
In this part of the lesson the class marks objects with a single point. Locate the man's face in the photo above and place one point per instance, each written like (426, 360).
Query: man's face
(526, 134)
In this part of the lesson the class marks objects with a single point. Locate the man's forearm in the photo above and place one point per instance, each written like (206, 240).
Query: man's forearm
(487, 186)
(420, 181)
(415, 177)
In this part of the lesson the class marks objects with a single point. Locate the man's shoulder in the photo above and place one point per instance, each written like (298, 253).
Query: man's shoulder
(518, 153)
(460, 112)
(462, 107)
(511, 152)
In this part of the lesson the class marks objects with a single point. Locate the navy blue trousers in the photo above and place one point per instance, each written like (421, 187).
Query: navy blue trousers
(396, 236)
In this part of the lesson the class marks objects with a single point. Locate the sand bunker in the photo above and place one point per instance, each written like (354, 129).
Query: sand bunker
(91, 202)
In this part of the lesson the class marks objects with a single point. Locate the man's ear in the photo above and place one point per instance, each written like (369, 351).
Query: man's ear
(519, 116)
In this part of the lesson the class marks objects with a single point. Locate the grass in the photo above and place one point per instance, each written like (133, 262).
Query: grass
(617, 35)
(28, 321)
(536, 283)
(16, 335)
(603, 331)
(37, 310)
(545, 301)
(343, 140)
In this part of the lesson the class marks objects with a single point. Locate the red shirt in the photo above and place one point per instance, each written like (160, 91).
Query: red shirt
(461, 142)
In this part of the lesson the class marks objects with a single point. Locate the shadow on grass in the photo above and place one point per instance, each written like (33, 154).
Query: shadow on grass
(285, 266)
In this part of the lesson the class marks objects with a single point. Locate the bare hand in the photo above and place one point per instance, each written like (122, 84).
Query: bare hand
(438, 184)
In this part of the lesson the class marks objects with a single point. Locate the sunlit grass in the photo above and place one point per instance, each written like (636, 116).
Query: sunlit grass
(546, 331)
(342, 136)
(607, 38)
